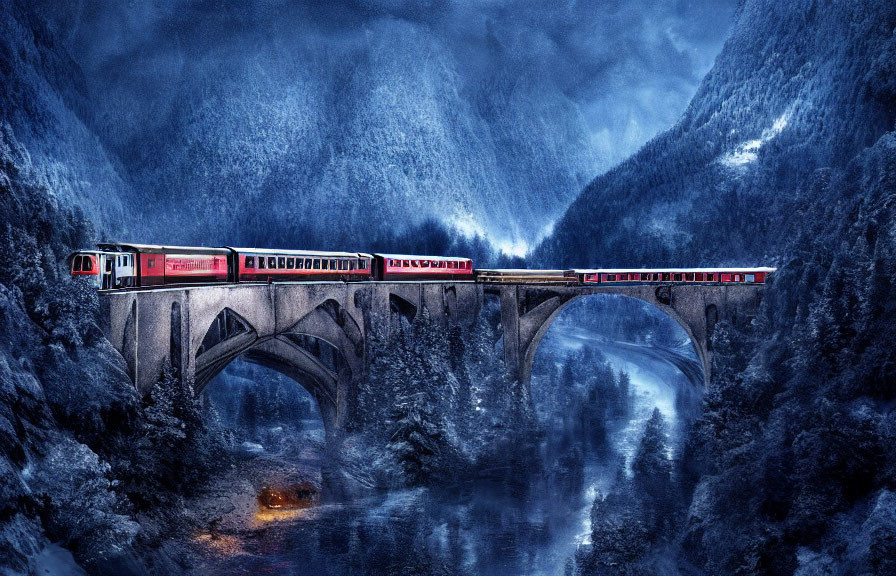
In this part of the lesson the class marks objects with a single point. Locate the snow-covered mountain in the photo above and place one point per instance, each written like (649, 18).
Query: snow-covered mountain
(799, 89)
(44, 138)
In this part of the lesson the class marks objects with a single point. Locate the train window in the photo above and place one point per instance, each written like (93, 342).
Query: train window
(290, 263)
(391, 262)
(76, 264)
(710, 277)
(261, 262)
(316, 264)
(307, 263)
(281, 262)
(424, 263)
(299, 263)
(689, 277)
(272, 262)
(151, 263)
(351, 264)
(333, 265)
(250, 262)
(749, 278)
(324, 264)
(737, 277)
(362, 265)
(611, 277)
(87, 264)
(676, 277)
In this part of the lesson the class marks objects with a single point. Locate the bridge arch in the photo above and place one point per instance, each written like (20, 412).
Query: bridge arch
(296, 363)
(323, 351)
(527, 314)
(690, 368)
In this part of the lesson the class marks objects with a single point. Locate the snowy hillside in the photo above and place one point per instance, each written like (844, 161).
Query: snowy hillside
(44, 140)
(799, 87)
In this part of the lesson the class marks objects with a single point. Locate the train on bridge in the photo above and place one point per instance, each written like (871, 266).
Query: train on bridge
(123, 266)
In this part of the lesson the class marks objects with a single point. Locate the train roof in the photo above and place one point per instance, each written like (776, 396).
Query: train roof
(519, 271)
(671, 270)
(420, 257)
(156, 249)
(309, 253)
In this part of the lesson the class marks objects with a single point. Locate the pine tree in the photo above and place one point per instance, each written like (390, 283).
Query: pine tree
(653, 474)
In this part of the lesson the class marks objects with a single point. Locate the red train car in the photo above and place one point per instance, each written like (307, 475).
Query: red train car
(164, 265)
(260, 265)
(675, 276)
(407, 267)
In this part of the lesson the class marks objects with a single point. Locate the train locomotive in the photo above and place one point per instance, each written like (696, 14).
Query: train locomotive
(121, 266)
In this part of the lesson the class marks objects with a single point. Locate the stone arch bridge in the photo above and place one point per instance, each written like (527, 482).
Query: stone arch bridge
(317, 332)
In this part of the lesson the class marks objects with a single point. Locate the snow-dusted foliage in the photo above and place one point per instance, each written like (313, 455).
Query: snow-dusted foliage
(438, 399)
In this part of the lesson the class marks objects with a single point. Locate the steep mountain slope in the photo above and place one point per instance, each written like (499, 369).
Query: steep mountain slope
(281, 136)
(786, 156)
(43, 138)
(800, 86)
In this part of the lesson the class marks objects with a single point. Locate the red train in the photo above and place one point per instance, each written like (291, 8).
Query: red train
(114, 266)
(132, 265)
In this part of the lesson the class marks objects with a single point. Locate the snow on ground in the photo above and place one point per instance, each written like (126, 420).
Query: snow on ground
(749, 150)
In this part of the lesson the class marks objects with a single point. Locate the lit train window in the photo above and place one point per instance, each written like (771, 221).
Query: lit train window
(272, 262)
(250, 262)
(299, 262)
(307, 263)
(749, 278)
(281, 262)
(290, 263)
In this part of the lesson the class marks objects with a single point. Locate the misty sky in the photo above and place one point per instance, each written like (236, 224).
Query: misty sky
(631, 67)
